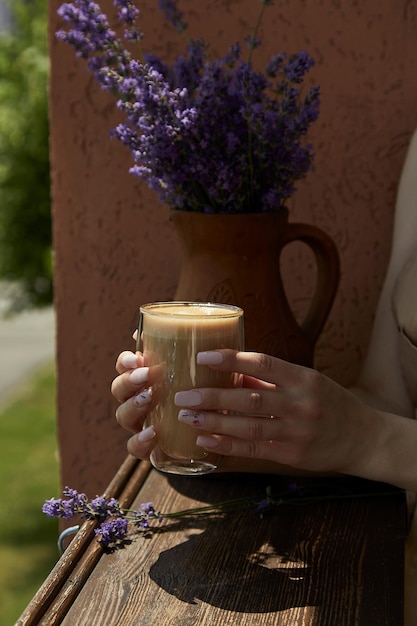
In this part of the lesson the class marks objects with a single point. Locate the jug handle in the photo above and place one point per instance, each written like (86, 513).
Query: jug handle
(328, 273)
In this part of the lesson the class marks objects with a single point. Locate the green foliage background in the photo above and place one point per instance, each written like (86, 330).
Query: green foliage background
(29, 475)
(25, 208)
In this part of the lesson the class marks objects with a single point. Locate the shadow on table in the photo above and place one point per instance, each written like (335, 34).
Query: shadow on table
(237, 564)
(297, 555)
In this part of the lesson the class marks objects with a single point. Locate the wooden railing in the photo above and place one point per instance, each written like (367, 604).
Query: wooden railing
(337, 561)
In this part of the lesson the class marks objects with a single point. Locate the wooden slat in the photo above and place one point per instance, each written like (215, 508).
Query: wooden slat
(82, 554)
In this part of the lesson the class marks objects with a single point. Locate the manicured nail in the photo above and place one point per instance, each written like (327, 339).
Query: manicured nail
(191, 417)
(144, 397)
(139, 375)
(188, 398)
(207, 442)
(146, 434)
(210, 358)
(129, 360)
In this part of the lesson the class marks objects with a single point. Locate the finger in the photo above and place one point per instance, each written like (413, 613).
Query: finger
(249, 449)
(249, 428)
(283, 453)
(142, 444)
(132, 413)
(129, 383)
(262, 366)
(128, 360)
(249, 401)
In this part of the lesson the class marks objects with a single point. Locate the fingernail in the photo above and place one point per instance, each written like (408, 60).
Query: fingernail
(129, 361)
(144, 397)
(188, 398)
(207, 442)
(146, 434)
(191, 417)
(139, 375)
(210, 358)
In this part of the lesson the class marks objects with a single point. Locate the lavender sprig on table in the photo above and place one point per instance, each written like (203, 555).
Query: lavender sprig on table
(115, 522)
(207, 134)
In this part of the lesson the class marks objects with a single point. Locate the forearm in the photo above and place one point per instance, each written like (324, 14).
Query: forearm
(393, 457)
(381, 402)
(392, 450)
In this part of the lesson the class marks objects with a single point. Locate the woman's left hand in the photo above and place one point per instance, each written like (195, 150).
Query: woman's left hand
(285, 413)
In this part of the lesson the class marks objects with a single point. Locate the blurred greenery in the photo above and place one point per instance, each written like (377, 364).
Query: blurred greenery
(25, 208)
(28, 476)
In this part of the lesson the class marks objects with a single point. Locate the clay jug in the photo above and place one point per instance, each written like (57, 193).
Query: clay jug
(235, 259)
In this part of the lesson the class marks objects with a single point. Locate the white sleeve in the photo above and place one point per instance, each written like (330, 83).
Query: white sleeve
(381, 374)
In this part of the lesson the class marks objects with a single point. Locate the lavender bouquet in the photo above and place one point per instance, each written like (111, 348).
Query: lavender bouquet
(208, 135)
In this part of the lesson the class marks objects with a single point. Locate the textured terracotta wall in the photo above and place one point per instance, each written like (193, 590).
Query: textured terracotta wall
(113, 244)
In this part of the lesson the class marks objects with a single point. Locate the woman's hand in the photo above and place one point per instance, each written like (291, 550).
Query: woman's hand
(132, 388)
(285, 413)
(285, 417)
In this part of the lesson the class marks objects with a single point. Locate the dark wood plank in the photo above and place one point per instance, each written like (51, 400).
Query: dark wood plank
(334, 562)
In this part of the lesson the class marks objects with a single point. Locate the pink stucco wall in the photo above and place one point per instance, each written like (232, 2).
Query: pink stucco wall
(115, 249)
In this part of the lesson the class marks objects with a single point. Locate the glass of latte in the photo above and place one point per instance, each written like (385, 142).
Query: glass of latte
(170, 336)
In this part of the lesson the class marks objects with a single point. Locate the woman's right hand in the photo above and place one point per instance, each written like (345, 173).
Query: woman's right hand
(133, 389)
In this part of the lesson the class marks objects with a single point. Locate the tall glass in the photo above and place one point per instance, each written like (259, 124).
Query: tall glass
(170, 336)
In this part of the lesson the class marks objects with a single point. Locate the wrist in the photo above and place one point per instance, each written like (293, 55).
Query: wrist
(389, 454)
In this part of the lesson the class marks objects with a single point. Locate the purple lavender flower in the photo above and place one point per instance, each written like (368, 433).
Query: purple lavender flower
(233, 55)
(127, 11)
(262, 505)
(297, 66)
(265, 503)
(252, 42)
(101, 508)
(52, 507)
(91, 36)
(74, 496)
(65, 508)
(187, 69)
(112, 531)
(172, 14)
(144, 514)
(275, 64)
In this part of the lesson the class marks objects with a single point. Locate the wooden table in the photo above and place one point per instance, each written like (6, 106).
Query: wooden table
(337, 562)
